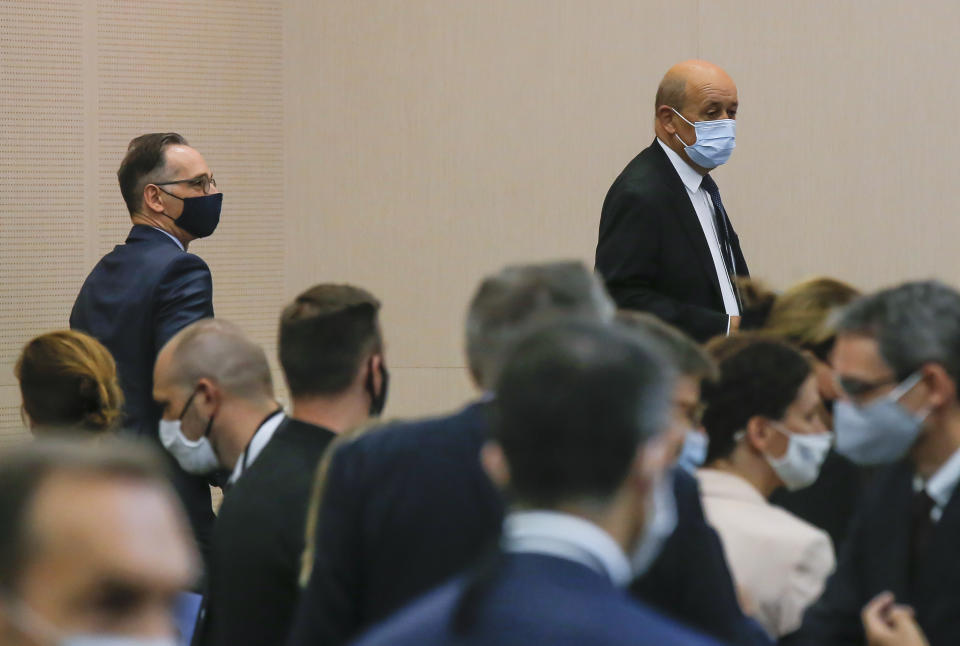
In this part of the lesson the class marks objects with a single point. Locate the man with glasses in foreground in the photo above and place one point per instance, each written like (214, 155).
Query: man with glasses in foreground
(897, 359)
(146, 290)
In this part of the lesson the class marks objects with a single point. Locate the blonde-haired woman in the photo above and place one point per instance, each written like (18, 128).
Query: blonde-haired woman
(68, 383)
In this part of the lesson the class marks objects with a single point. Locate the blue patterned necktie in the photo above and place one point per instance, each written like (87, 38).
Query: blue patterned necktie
(721, 223)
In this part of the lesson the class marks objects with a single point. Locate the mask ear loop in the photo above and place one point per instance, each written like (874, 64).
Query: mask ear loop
(688, 123)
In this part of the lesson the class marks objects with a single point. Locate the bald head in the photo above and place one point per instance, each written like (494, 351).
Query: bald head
(685, 81)
(217, 350)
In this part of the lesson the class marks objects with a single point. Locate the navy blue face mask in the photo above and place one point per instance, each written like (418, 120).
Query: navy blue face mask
(200, 215)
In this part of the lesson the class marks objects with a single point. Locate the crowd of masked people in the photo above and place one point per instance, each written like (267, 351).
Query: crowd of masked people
(611, 482)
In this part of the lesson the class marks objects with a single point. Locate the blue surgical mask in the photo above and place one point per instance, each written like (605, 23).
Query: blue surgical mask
(715, 141)
(880, 432)
(800, 466)
(694, 451)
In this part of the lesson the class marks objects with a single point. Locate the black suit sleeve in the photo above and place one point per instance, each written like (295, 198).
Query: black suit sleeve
(691, 582)
(629, 258)
(184, 295)
(328, 611)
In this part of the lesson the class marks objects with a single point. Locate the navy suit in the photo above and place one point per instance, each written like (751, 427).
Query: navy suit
(136, 298)
(651, 250)
(536, 599)
(690, 580)
(876, 557)
(405, 508)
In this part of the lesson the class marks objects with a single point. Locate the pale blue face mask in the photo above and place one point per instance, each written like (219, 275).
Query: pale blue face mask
(694, 451)
(715, 141)
(880, 432)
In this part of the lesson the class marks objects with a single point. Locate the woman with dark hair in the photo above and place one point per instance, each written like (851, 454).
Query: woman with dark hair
(765, 433)
(68, 382)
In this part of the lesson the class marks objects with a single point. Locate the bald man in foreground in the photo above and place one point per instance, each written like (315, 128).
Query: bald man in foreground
(666, 245)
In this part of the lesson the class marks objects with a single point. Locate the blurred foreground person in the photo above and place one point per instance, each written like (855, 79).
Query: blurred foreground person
(765, 433)
(897, 359)
(580, 442)
(94, 547)
(68, 384)
(407, 506)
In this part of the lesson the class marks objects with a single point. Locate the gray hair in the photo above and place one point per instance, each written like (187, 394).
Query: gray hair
(914, 323)
(218, 350)
(510, 303)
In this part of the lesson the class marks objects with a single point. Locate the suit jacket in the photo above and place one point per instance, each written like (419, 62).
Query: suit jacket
(535, 599)
(876, 557)
(136, 298)
(652, 252)
(405, 507)
(778, 560)
(258, 541)
(690, 580)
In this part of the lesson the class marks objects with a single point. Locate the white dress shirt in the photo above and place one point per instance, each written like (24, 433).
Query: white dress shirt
(172, 237)
(703, 205)
(778, 561)
(260, 438)
(941, 485)
(567, 537)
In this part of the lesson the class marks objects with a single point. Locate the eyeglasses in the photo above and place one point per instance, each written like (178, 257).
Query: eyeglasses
(858, 388)
(202, 182)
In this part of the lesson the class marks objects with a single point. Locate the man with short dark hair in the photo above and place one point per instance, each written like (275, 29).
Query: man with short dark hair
(897, 360)
(147, 289)
(409, 505)
(331, 351)
(93, 546)
(581, 414)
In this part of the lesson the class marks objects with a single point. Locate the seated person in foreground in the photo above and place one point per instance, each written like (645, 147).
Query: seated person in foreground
(581, 441)
(765, 433)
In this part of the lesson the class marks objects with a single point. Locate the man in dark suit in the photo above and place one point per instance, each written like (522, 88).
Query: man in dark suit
(331, 351)
(579, 440)
(690, 580)
(897, 358)
(147, 289)
(407, 506)
(666, 245)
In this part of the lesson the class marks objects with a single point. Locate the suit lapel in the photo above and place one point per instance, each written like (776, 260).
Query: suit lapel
(887, 563)
(687, 216)
(941, 552)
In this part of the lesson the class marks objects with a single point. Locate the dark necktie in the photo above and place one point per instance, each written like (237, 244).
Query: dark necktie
(722, 225)
(921, 529)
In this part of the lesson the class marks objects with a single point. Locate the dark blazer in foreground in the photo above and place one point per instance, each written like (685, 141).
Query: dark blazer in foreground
(652, 252)
(536, 600)
(136, 298)
(405, 507)
(258, 541)
(875, 558)
(690, 580)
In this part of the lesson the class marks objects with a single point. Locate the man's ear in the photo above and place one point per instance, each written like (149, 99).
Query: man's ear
(375, 365)
(943, 389)
(210, 397)
(665, 116)
(758, 433)
(495, 464)
(152, 198)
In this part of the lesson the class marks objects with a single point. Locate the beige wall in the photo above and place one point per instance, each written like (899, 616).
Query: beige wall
(412, 147)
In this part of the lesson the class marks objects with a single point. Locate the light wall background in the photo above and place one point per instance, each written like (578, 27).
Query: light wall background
(411, 147)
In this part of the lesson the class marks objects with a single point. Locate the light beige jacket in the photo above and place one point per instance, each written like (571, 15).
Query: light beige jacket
(779, 561)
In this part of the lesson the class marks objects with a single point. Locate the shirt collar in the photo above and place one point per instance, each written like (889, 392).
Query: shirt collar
(257, 443)
(166, 233)
(723, 484)
(690, 178)
(941, 484)
(568, 537)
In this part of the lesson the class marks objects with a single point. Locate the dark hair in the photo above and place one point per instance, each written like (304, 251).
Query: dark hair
(758, 376)
(145, 154)
(757, 300)
(325, 336)
(913, 324)
(25, 468)
(687, 356)
(68, 380)
(574, 402)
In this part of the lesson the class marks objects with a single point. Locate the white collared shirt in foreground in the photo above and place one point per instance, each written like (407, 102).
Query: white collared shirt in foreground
(941, 485)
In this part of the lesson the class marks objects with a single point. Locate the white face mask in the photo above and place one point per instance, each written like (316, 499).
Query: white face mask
(195, 456)
(800, 465)
(661, 521)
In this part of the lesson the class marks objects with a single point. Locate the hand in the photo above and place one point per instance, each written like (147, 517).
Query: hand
(734, 324)
(889, 624)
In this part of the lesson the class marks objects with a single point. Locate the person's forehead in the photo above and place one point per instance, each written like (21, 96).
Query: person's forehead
(858, 355)
(712, 86)
(88, 527)
(186, 161)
